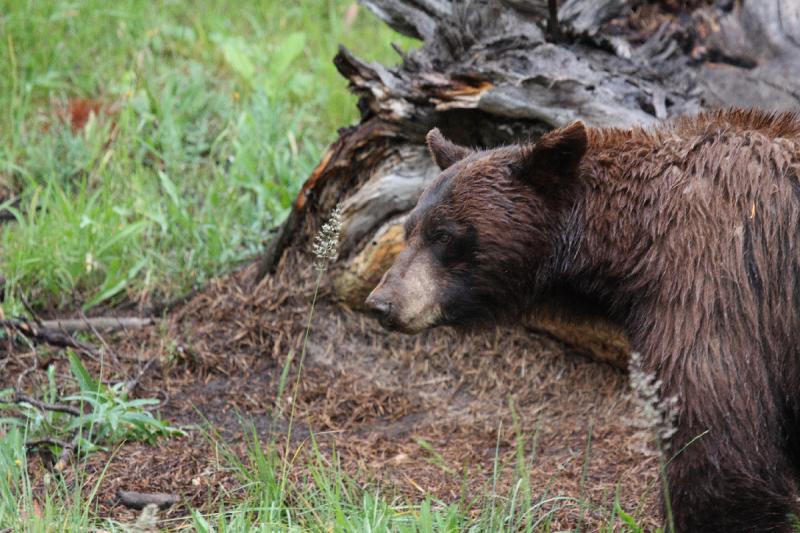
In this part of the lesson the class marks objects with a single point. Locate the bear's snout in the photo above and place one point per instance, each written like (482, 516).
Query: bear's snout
(381, 306)
(406, 299)
(378, 305)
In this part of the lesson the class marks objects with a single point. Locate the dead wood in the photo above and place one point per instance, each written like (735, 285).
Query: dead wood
(491, 72)
(67, 448)
(47, 442)
(140, 500)
(44, 335)
(105, 324)
(44, 406)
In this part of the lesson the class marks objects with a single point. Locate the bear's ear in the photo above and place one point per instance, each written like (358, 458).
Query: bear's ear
(555, 158)
(444, 153)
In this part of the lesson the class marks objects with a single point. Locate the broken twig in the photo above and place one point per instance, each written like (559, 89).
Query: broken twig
(66, 453)
(67, 449)
(47, 442)
(44, 406)
(106, 324)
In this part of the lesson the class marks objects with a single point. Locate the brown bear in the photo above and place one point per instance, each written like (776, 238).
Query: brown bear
(687, 235)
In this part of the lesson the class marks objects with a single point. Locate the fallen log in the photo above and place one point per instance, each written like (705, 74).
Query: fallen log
(491, 72)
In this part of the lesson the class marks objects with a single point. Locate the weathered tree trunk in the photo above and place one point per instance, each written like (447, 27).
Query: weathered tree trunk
(492, 72)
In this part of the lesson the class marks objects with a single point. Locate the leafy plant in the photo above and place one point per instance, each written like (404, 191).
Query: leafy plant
(112, 417)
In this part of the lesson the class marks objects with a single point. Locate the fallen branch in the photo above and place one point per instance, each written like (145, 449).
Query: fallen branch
(44, 406)
(67, 449)
(139, 500)
(75, 325)
(47, 442)
(66, 453)
(46, 335)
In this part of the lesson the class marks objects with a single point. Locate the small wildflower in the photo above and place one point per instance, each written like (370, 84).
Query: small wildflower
(90, 263)
(326, 243)
(236, 96)
(654, 413)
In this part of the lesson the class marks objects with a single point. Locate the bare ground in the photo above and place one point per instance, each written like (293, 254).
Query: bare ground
(374, 397)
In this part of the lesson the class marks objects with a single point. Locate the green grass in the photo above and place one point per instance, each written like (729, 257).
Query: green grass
(220, 109)
(325, 499)
(321, 499)
(63, 507)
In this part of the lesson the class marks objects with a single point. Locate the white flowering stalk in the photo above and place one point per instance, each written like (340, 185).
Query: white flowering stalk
(654, 413)
(326, 242)
(325, 248)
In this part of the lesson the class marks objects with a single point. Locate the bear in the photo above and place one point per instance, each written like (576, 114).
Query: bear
(686, 235)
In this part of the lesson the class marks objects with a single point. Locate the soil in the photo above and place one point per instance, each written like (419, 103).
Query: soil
(414, 415)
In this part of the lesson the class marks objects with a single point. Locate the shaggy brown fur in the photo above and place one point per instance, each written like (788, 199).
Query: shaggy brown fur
(688, 236)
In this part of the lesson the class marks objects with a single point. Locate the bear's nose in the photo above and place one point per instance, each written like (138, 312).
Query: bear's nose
(380, 307)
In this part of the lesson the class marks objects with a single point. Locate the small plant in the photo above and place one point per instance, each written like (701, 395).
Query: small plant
(112, 417)
(656, 415)
(326, 242)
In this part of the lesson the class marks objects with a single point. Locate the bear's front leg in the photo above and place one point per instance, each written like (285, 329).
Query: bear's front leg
(727, 481)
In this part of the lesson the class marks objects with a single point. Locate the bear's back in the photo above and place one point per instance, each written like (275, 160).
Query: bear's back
(742, 121)
(704, 209)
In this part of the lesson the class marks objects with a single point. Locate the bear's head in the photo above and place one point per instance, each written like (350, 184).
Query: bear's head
(481, 241)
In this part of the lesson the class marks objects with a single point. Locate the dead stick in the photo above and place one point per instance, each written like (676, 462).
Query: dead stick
(74, 325)
(66, 453)
(139, 500)
(42, 442)
(44, 406)
(47, 336)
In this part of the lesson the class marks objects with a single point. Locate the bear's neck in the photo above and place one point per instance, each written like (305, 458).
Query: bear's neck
(604, 238)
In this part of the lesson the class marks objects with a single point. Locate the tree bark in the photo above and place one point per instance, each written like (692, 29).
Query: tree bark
(491, 72)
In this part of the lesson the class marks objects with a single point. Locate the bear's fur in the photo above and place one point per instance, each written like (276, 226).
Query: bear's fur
(687, 235)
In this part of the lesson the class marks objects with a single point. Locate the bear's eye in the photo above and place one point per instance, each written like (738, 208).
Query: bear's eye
(443, 237)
